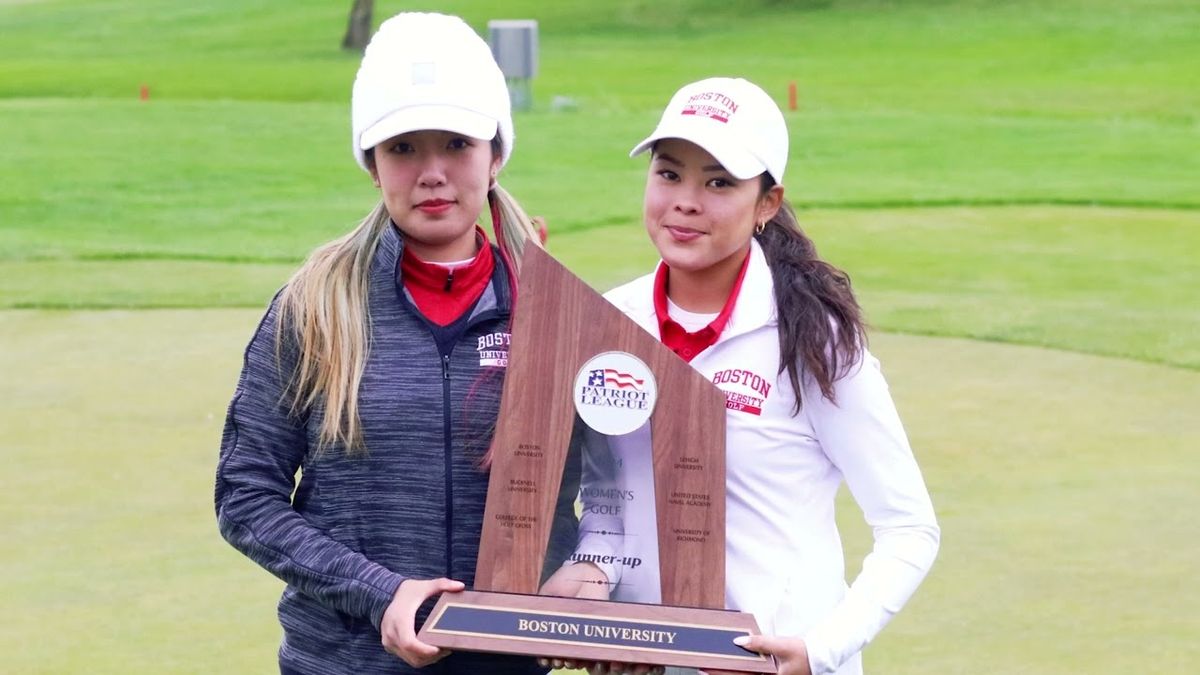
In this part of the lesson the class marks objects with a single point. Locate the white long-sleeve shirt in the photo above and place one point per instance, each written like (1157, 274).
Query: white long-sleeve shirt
(784, 560)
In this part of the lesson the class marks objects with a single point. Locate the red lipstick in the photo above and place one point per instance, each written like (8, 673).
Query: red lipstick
(435, 206)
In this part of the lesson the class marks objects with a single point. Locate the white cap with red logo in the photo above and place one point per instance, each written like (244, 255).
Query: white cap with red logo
(733, 120)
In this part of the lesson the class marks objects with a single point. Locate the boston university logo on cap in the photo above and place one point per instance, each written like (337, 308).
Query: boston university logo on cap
(710, 104)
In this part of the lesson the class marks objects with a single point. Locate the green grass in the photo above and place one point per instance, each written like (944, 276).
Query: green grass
(189, 203)
(118, 538)
(1066, 507)
(1058, 481)
(1011, 171)
(268, 181)
(1122, 282)
(1108, 281)
(1088, 58)
(237, 167)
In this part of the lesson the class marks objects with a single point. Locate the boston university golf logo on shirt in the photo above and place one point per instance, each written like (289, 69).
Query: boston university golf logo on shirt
(748, 390)
(615, 392)
(493, 349)
(710, 104)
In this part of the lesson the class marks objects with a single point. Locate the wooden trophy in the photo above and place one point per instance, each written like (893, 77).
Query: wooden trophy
(576, 360)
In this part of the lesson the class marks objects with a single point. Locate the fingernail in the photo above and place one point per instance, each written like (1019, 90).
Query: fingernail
(742, 641)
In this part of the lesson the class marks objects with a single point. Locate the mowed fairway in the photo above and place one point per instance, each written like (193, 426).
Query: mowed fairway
(1065, 484)
(1012, 187)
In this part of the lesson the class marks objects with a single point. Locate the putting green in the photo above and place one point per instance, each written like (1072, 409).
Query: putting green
(1065, 484)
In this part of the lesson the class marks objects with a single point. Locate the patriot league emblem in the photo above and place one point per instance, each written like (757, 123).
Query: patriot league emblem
(615, 393)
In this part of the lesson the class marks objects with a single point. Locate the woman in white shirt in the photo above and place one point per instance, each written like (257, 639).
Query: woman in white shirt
(741, 295)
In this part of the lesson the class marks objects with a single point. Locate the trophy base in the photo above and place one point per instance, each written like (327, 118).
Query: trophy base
(593, 630)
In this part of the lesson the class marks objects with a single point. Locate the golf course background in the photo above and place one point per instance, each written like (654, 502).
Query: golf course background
(1012, 187)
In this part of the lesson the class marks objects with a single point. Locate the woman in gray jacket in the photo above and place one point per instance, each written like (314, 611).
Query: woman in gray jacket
(375, 374)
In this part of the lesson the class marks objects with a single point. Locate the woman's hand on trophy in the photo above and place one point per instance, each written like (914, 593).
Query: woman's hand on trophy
(397, 626)
(791, 654)
(580, 580)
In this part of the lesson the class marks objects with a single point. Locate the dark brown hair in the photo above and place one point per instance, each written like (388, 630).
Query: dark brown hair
(821, 329)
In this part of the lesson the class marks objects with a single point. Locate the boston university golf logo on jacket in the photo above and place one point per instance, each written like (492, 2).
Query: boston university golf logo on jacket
(744, 391)
(493, 349)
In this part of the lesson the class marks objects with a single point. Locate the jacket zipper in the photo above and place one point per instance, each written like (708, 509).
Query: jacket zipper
(448, 459)
(448, 447)
(448, 452)
(446, 407)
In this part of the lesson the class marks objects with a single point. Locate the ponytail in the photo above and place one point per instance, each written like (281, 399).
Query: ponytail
(514, 230)
(512, 226)
(821, 329)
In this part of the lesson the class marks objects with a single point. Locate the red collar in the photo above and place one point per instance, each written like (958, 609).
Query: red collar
(688, 345)
(442, 294)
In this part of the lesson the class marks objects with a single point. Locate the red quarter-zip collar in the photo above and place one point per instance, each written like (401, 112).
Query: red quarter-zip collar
(688, 345)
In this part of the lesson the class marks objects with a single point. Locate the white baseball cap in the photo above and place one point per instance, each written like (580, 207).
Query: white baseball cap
(428, 71)
(731, 118)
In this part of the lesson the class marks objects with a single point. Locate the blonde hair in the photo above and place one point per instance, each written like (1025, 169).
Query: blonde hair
(515, 228)
(324, 309)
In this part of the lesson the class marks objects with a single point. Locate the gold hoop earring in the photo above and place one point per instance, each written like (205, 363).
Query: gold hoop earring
(758, 229)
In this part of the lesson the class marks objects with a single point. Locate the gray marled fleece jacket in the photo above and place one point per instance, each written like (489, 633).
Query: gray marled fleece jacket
(357, 527)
